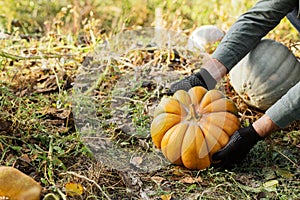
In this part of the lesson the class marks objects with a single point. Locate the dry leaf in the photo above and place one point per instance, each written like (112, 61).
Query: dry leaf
(157, 179)
(179, 171)
(271, 185)
(284, 173)
(5, 126)
(25, 158)
(18, 186)
(191, 180)
(136, 161)
(166, 197)
(73, 189)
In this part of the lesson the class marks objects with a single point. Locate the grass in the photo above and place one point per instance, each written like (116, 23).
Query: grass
(46, 78)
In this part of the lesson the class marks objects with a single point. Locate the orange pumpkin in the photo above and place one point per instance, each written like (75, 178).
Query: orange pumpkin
(191, 126)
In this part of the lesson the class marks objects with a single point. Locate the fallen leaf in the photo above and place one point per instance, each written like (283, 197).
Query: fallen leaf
(271, 185)
(5, 125)
(18, 186)
(284, 173)
(136, 161)
(166, 197)
(179, 171)
(25, 158)
(191, 180)
(157, 179)
(74, 189)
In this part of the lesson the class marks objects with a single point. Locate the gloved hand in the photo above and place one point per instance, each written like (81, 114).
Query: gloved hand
(201, 78)
(239, 145)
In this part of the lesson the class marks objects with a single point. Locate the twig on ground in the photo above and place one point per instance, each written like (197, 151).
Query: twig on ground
(17, 57)
(288, 158)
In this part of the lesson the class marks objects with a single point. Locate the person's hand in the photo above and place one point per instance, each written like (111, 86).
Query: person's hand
(239, 145)
(201, 78)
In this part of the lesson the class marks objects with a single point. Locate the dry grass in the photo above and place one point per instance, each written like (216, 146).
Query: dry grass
(39, 133)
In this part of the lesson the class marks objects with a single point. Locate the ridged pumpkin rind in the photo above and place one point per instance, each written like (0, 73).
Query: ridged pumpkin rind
(189, 141)
(265, 74)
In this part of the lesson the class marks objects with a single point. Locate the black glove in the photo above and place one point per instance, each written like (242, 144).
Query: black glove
(201, 78)
(239, 145)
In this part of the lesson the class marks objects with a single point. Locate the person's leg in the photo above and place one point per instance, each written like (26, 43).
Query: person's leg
(292, 17)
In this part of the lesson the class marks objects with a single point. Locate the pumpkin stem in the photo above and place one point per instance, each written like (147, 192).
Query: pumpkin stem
(193, 112)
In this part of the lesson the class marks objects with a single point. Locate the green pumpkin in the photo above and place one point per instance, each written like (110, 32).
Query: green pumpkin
(265, 74)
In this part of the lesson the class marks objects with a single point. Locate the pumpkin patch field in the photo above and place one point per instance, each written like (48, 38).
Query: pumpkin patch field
(85, 111)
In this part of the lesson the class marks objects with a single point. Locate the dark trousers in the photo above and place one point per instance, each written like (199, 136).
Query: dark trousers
(292, 17)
